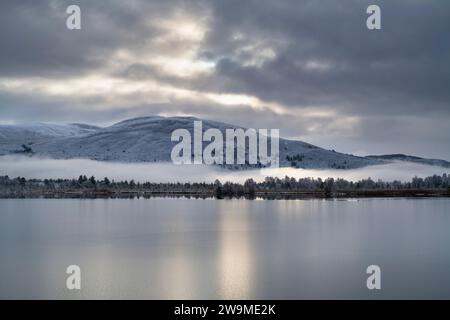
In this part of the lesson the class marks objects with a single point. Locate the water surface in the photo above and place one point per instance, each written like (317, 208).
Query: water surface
(225, 249)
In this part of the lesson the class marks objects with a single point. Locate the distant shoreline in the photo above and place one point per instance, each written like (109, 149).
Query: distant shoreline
(266, 195)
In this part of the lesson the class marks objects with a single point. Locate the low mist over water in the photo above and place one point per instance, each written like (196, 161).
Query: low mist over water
(32, 167)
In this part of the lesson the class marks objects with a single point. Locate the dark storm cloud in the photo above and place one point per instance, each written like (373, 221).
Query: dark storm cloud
(297, 54)
(33, 41)
(402, 68)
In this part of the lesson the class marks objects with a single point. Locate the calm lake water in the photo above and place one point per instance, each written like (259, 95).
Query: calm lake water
(214, 249)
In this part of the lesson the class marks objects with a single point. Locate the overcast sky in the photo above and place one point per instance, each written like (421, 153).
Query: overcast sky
(310, 68)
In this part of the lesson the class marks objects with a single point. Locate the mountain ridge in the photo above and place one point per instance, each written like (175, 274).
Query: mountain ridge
(409, 158)
(147, 139)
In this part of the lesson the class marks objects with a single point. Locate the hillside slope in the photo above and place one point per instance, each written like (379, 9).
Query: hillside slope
(13, 136)
(147, 139)
(407, 158)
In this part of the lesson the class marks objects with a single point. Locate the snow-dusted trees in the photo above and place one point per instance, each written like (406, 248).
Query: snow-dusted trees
(21, 187)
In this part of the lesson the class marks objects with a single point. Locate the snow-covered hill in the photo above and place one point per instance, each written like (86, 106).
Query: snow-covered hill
(13, 136)
(147, 139)
(403, 157)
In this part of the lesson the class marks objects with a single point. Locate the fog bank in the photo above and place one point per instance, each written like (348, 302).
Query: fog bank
(41, 168)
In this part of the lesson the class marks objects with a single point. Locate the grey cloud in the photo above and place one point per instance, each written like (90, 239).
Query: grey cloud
(395, 81)
(36, 42)
(403, 67)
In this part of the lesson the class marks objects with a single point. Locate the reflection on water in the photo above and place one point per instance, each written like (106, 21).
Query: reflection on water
(235, 252)
(215, 249)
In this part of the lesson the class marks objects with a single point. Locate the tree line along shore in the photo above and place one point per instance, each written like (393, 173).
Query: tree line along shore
(270, 188)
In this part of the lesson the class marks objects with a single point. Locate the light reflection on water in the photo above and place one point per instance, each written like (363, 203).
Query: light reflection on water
(235, 252)
(224, 249)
